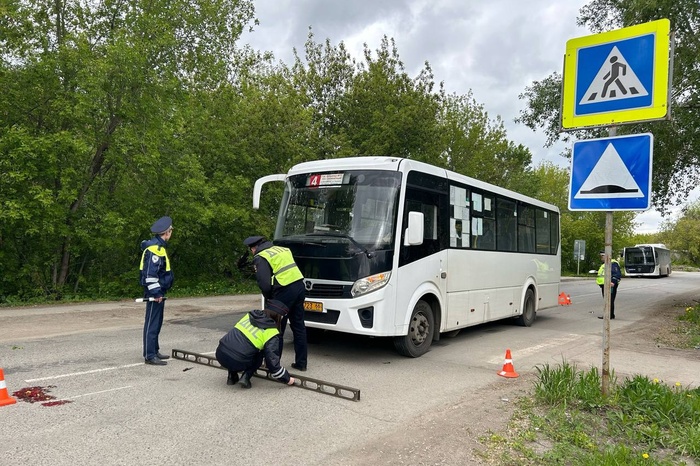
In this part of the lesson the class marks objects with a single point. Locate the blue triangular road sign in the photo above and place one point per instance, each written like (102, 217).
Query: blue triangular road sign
(611, 173)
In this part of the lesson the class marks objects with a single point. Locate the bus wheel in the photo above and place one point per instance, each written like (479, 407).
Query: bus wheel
(420, 332)
(528, 316)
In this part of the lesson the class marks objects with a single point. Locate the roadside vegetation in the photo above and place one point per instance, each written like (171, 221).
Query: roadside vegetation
(567, 420)
(102, 132)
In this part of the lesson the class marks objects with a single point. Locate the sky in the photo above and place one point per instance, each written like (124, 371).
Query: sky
(495, 49)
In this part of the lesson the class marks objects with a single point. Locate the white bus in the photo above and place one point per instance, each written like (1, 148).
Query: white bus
(392, 247)
(647, 260)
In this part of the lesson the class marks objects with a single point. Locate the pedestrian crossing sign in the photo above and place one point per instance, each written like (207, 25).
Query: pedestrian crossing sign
(617, 77)
(611, 173)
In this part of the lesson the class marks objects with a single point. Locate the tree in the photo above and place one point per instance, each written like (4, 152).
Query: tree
(477, 146)
(550, 183)
(385, 112)
(682, 236)
(323, 80)
(91, 92)
(677, 143)
(115, 113)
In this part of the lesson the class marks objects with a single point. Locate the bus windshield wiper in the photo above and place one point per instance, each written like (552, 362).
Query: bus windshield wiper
(298, 239)
(336, 234)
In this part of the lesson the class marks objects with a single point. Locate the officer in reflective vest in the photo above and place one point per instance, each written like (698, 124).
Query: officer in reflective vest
(615, 277)
(156, 279)
(255, 337)
(279, 278)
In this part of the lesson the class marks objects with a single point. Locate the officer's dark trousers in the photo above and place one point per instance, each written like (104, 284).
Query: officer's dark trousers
(613, 293)
(234, 365)
(292, 296)
(151, 328)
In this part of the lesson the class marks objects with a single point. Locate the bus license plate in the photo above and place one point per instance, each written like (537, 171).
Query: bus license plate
(313, 306)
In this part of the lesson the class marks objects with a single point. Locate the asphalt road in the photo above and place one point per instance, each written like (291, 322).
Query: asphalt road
(124, 412)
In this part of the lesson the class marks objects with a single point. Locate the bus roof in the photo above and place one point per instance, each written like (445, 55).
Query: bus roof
(406, 165)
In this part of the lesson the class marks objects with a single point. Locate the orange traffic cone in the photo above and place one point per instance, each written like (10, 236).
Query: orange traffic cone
(5, 398)
(508, 370)
(564, 299)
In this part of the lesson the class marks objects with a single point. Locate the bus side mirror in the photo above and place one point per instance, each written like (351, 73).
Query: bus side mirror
(257, 188)
(414, 232)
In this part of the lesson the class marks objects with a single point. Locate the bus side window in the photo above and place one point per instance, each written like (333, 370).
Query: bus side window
(488, 239)
(506, 225)
(542, 230)
(526, 229)
(428, 203)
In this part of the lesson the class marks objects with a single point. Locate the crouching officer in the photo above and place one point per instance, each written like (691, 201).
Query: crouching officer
(279, 278)
(156, 279)
(255, 337)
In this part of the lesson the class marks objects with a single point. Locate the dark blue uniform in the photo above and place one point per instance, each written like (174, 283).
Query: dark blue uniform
(156, 279)
(615, 277)
(292, 295)
(237, 352)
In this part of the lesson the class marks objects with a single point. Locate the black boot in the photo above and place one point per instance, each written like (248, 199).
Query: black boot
(232, 378)
(245, 381)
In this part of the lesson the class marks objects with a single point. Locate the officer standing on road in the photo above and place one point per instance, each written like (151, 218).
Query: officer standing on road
(279, 278)
(156, 279)
(615, 277)
(254, 337)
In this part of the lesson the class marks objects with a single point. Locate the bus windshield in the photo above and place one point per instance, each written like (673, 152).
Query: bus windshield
(639, 256)
(357, 207)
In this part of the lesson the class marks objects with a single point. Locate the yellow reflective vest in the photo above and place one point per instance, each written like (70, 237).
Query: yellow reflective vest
(158, 251)
(257, 336)
(284, 269)
(600, 279)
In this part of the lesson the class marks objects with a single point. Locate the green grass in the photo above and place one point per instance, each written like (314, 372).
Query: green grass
(691, 319)
(568, 421)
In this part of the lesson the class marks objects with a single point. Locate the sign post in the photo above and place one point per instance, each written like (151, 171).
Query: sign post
(579, 253)
(615, 77)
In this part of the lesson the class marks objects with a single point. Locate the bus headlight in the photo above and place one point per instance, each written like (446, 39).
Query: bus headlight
(369, 284)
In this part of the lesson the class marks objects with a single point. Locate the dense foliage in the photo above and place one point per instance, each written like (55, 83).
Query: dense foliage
(116, 113)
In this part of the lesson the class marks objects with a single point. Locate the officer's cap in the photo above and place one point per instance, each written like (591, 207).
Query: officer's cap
(253, 240)
(276, 306)
(602, 253)
(162, 225)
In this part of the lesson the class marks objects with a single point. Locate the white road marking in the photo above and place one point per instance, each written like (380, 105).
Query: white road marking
(534, 349)
(94, 393)
(82, 373)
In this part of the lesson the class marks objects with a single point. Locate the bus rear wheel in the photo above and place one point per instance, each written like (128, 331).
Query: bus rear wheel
(528, 316)
(421, 329)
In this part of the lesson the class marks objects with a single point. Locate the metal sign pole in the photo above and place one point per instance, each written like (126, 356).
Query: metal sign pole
(578, 265)
(612, 131)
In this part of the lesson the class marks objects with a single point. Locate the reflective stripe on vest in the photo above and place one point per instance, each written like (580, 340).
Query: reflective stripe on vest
(284, 270)
(158, 251)
(257, 336)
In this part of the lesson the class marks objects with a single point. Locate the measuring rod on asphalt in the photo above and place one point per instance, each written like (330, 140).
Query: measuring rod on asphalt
(327, 388)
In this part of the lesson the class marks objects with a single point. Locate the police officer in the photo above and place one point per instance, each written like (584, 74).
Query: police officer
(156, 279)
(279, 278)
(615, 277)
(254, 337)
